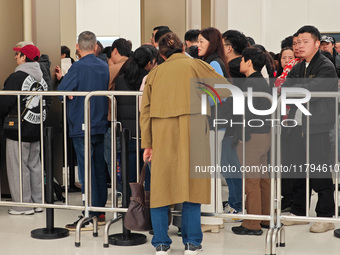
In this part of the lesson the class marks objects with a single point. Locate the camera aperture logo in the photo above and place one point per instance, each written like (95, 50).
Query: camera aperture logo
(209, 93)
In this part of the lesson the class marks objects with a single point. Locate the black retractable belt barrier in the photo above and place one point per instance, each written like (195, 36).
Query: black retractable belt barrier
(50, 232)
(126, 238)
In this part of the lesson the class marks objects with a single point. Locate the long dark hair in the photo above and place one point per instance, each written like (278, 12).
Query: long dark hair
(214, 37)
(138, 60)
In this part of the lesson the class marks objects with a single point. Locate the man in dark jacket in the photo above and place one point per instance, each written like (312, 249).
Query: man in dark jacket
(315, 73)
(27, 77)
(88, 74)
(327, 44)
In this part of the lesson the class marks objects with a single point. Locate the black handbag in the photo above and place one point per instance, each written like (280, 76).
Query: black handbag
(10, 123)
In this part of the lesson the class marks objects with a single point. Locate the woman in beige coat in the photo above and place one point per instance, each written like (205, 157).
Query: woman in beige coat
(175, 136)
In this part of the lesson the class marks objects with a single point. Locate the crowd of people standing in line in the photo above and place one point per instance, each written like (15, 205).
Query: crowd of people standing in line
(170, 119)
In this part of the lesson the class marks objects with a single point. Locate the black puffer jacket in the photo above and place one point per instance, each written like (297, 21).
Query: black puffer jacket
(319, 76)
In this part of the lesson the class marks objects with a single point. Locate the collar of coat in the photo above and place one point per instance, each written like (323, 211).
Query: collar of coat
(177, 56)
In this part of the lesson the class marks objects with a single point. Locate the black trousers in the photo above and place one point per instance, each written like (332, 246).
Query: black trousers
(320, 175)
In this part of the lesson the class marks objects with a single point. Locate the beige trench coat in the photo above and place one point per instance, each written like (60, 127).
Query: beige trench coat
(173, 126)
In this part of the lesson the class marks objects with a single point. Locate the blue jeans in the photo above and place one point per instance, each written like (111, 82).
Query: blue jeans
(234, 179)
(191, 224)
(98, 174)
(107, 149)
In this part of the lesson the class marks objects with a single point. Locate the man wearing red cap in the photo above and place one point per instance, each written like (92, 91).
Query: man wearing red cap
(26, 77)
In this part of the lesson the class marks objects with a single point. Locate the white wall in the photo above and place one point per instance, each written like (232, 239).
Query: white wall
(270, 21)
(119, 18)
(267, 21)
(220, 19)
(193, 14)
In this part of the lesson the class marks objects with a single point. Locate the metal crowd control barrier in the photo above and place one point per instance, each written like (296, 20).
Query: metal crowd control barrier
(270, 241)
(275, 232)
(87, 207)
(67, 204)
(279, 216)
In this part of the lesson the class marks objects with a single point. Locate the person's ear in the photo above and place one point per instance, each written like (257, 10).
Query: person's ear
(77, 47)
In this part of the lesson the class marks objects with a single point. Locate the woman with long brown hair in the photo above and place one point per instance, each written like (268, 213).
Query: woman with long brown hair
(211, 50)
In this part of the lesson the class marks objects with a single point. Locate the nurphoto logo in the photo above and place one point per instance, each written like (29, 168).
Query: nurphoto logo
(239, 99)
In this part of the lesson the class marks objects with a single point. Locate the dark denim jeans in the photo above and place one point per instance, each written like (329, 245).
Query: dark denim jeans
(98, 169)
(191, 224)
(234, 179)
(132, 159)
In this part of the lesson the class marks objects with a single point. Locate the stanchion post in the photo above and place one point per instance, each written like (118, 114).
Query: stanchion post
(50, 232)
(126, 238)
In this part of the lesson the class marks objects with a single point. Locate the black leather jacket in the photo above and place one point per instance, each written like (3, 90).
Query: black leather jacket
(319, 76)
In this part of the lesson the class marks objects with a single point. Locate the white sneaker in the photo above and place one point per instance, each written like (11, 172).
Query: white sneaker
(230, 210)
(38, 210)
(321, 227)
(15, 212)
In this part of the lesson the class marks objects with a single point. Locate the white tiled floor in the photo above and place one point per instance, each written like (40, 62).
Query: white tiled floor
(15, 239)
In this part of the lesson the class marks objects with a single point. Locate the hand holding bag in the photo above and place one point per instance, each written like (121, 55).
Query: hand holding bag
(138, 216)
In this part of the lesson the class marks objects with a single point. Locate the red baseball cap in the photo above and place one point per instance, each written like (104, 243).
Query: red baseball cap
(30, 51)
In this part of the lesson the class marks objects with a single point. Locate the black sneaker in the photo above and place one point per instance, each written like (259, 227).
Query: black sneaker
(264, 226)
(191, 249)
(244, 231)
(86, 226)
(163, 249)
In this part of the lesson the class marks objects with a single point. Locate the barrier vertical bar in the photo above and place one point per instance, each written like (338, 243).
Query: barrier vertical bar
(50, 232)
(307, 162)
(65, 150)
(19, 148)
(113, 155)
(126, 238)
(137, 137)
(274, 235)
(243, 163)
(336, 164)
(42, 158)
(336, 160)
(216, 162)
(281, 232)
